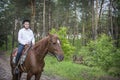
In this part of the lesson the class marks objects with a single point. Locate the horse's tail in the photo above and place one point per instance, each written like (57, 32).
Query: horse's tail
(12, 56)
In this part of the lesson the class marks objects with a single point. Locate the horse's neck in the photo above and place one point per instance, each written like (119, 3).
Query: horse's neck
(41, 48)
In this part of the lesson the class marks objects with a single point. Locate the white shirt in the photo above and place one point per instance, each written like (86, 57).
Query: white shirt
(26, 36)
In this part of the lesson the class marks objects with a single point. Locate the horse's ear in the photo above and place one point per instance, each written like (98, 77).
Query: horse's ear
(48, 34)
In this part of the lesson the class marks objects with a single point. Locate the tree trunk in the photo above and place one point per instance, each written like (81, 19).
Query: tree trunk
(13, 33)
(101, 8)
(100, 13)
(83, 34)
(50, 15)
(33, 14)
(93, 20)
(44, 29)
(111, 20)
(6, 40)
(75, 30)
(96, 19)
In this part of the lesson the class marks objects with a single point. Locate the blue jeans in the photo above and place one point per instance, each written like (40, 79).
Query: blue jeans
(20, 49)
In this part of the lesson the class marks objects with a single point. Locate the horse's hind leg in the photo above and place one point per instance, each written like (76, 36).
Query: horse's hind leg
(37, 76)
(16, 76)
(19, 75)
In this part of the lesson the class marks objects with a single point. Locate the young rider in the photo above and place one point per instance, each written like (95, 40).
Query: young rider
(25, 36)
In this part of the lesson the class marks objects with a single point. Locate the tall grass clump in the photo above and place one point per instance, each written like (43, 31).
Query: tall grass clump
(115, 66)
(70, 71)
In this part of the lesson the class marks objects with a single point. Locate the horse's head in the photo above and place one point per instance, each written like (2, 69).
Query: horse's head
(54, 47)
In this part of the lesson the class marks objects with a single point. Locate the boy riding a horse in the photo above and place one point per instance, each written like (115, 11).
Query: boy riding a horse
(25, 37)
(34, 62)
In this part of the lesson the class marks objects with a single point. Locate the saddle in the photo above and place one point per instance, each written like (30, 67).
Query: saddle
(23, 56)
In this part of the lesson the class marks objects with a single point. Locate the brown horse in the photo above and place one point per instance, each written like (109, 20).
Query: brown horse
(34, 62)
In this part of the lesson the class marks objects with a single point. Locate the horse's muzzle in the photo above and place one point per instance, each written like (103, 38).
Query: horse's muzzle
(60, 57)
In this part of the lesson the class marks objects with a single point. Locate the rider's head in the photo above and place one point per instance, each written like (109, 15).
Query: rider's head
(26, 24)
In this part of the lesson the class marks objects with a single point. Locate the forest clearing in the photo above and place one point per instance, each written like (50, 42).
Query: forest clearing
(88, 31)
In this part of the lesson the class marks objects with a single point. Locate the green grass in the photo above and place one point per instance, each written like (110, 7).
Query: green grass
(70, 70)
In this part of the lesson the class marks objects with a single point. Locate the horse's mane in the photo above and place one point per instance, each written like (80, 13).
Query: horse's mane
(41, 43)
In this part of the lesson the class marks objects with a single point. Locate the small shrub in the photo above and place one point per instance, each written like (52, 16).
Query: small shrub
(114, 71)
(66, 46)
(99, 52)
(115, 66)
(102, 51)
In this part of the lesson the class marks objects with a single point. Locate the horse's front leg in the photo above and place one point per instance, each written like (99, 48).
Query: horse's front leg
(37, 76)
(29, 75)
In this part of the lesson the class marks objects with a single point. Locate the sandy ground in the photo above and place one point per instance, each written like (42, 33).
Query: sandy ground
(5, 70)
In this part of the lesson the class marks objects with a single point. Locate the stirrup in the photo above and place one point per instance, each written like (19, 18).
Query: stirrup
(14, 60)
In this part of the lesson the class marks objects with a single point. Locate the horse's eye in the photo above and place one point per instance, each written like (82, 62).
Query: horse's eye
(54, 43)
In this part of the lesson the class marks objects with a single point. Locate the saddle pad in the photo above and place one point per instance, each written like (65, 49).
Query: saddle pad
(15, 51)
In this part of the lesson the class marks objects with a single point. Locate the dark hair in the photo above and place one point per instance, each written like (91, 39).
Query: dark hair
(25, 21)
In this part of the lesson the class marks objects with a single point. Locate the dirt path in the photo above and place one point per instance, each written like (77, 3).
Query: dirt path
(5, 70)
